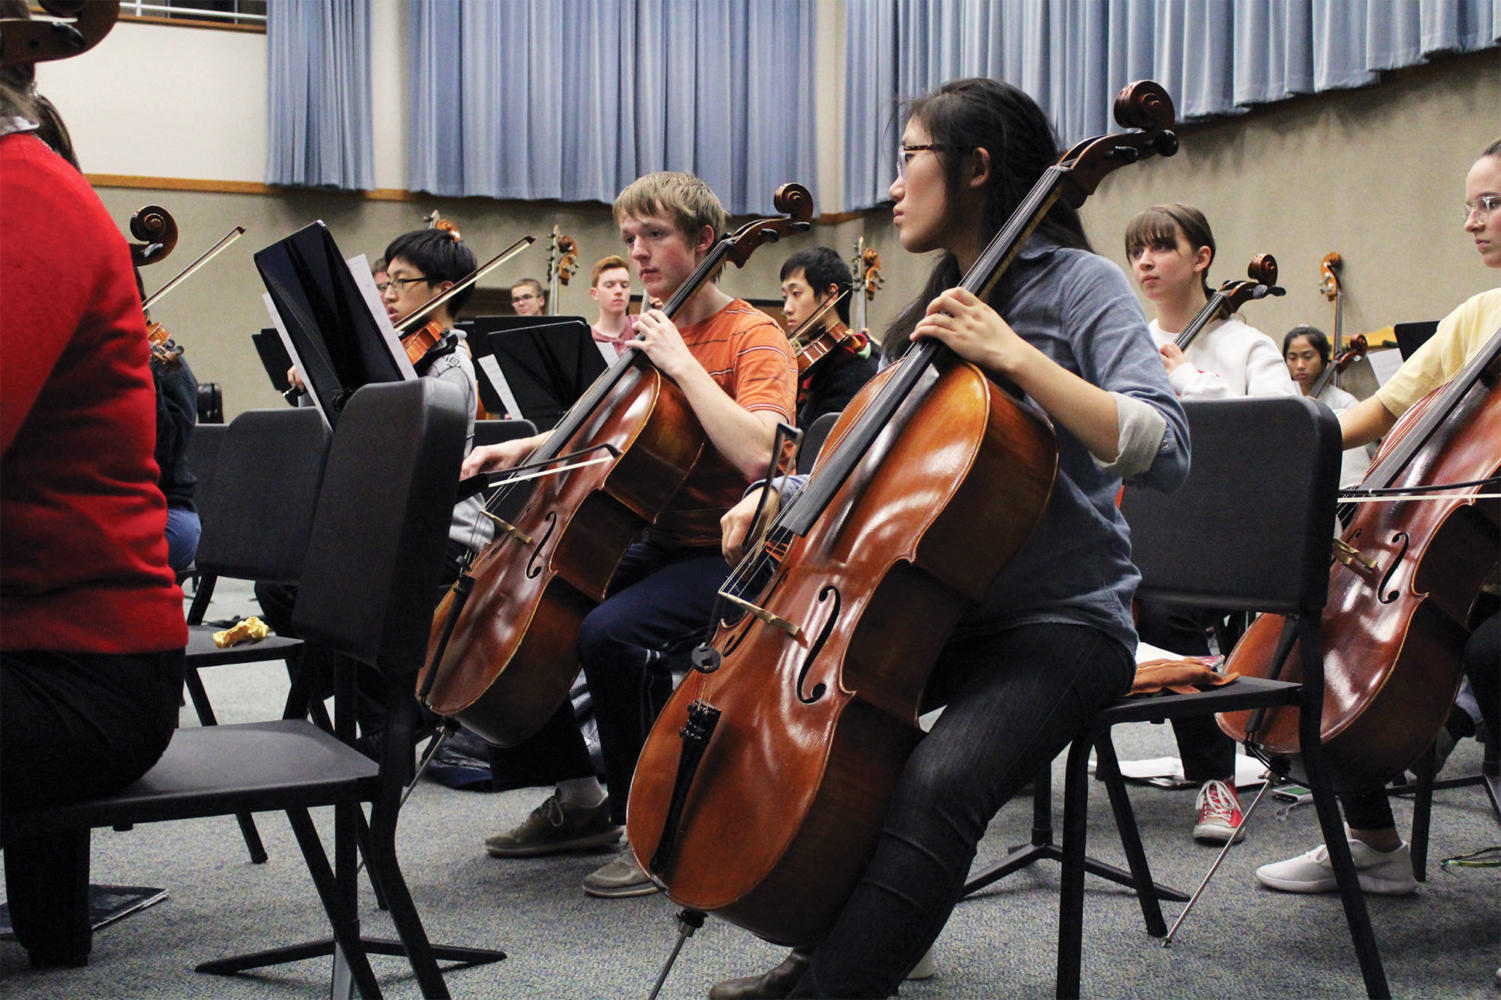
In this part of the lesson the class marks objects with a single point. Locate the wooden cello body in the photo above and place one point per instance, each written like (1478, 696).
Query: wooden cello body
(509, 651)
(814, 737)
(761, 789)
(511, 657)
(1404, 581)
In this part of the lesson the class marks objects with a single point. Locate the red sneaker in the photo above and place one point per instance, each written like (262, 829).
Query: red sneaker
(1219, 814)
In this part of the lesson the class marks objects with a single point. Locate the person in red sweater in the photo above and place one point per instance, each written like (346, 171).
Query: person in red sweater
(91, 620)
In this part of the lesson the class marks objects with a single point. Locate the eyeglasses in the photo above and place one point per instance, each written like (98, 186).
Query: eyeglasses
(1481, 210)
(396, 283)
(516, 299)
(904, 152)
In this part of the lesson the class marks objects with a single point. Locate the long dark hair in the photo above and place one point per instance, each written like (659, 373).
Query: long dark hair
(965, 115)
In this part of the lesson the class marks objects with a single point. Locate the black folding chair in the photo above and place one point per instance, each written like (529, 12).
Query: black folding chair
(1260, 497)
(374, 555)
(256, 509)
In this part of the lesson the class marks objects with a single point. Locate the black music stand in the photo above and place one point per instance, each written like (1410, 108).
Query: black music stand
(275, 359)
(545, 363)
(336, 337)
(1411, 336)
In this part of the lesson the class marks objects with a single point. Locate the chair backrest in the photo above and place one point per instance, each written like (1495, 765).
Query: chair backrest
(1251, 529)
(203, 455)
(258, 506)
(496, 431)
(813, 438)
(369, 582)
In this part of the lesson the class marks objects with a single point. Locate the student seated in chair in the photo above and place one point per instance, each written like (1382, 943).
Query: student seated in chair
(1383, 862)
(91, 620)
(736, 371)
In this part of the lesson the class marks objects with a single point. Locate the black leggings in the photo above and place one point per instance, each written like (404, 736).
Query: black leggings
(72, 726)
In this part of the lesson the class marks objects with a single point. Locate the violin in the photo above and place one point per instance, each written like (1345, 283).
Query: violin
(502, 653)
(1262, 275)
(813, 339)
(1403, 581)
(165, 354)
(761, 788)
(82, 24)
(562, 261)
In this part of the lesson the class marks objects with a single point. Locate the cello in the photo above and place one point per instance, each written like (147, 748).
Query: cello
(502, 661)
(1261, 281)
(1405, 576)
(787, 740)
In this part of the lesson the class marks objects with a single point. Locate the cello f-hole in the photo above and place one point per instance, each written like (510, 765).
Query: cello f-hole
(1388, 596)
(533, 565)
(829, 592)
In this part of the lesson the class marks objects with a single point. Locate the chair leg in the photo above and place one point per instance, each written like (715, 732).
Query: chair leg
(1422, 813)
(1338, 845)
(205, 710)
(1107, 765)
(1071, 885)
(338, 892)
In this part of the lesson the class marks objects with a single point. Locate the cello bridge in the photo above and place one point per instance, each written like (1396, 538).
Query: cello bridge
(775, 621)
(1350, 555)
(509, 528)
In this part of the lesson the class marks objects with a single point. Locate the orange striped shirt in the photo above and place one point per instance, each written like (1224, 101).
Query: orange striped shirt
(747, 354)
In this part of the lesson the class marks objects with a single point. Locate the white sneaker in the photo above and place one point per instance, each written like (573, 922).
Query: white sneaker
(1385, 873)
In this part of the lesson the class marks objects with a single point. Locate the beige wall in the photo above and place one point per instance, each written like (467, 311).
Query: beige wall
(1374, 174)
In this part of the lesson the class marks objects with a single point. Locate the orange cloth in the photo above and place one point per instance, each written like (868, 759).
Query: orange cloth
(1181, 676)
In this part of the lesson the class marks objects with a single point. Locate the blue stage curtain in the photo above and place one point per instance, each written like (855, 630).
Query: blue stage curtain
(320, 130)
(1215, 57)
(574, 99)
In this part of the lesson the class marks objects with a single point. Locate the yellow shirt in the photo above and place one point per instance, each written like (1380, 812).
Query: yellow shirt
(1459, 335)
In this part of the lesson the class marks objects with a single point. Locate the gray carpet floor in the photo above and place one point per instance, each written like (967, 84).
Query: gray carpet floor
(1241, 941)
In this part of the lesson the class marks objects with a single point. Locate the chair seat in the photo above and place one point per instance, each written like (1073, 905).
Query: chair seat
(213, 770)
(201, 651)
(1242, 693)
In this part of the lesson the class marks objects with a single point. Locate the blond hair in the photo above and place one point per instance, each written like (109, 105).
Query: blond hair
(681, 197)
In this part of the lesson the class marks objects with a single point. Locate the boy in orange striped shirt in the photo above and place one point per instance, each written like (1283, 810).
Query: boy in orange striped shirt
(735, 368)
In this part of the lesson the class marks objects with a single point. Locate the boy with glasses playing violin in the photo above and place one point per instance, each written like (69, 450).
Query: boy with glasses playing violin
(735, 369)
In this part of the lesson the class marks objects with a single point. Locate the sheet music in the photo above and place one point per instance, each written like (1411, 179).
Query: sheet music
(359, 269)
(491, 368)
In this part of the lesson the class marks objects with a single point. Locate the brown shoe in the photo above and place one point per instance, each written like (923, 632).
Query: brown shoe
(771, 985)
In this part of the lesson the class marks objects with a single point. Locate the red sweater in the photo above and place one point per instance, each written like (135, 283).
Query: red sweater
(83, 554)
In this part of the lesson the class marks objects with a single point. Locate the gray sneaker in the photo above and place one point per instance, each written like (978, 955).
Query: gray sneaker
(621, 877)
(553, 827)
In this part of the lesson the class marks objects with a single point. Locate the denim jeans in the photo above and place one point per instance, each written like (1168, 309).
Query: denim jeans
(1013, 701)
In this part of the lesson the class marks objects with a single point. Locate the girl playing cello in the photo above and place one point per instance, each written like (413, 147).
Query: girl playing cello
(1382, 860)
(1053, 640)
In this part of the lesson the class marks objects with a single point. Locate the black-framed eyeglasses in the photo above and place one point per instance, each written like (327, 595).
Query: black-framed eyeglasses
(904, 153)
(397, 283)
